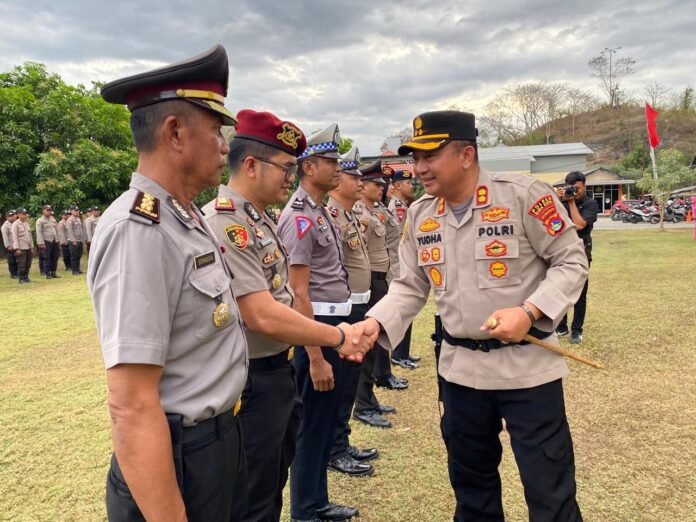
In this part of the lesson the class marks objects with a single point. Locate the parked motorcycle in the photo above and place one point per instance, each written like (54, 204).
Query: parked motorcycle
(644, 215)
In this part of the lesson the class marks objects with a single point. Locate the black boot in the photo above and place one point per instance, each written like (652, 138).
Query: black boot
(54, 275)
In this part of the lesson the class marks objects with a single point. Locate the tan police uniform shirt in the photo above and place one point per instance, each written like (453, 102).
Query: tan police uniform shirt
(90, 227)
(311, 238)
(21, 236)
(355, 257)
(393, 235)
(516, 243)
(253, 250)
(62, 238)
(7, 234)
(398, 208)
(46, 230)
(155, 288)
(372, 225)
(74, 229)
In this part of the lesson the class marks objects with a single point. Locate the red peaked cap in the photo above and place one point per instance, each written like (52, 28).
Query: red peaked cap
(267, 128)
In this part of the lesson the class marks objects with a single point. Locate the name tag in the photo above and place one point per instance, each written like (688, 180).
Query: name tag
(204, 260)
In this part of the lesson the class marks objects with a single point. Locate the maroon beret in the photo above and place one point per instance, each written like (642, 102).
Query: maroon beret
(267, 128)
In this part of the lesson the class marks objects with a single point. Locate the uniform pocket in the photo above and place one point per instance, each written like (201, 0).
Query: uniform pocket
(211, 287)
(497, 262)
(324, 240)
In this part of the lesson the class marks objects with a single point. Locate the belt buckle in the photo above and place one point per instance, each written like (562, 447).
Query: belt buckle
(481, 345)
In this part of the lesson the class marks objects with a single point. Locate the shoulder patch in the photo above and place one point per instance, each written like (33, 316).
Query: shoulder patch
(237, 236)
(147, 206)
(224, 204)
(303, 224)
(544, 209)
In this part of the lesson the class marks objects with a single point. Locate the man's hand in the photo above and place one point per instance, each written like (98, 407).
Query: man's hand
(371, 329)
(322, 374)
(357, 343)
(513, 325)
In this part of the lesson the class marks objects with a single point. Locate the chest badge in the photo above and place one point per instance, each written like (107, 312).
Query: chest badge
(495, 214)
(429, 225)
(276, 281)
(221, 315)
(496, 249)
(498, 269)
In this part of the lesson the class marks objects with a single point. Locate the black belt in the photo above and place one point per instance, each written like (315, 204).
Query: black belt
(218, 425)
(486, 345)
(380, 276)
(272, 362)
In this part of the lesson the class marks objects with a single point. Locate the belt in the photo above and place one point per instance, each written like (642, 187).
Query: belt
(361, 298)
(380, 276)
(215, 425)
(486, 345)
(332, 309)
(272, 362)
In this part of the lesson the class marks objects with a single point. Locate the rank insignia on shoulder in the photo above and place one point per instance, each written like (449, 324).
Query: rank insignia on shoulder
(428, 225)
(311, 202)
(224, 204)
(303, 225)
(251, 211)
(237, 236)
(179, 209)
(481, 196)
(146, 205)
(298, 204)
(495, 214)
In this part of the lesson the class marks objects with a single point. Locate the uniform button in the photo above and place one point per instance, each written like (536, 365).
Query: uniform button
(218, 288)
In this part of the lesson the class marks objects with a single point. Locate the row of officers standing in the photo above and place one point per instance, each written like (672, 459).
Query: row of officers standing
(236, 348)
(53, 239)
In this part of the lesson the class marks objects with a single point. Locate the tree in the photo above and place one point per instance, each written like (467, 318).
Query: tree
(345, 145)
(577, 101)
(654, 92)
(611, 73)
(673, 172)
(686, 100)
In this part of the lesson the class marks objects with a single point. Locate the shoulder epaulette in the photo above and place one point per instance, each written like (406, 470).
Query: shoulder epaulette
(311, 202)
(224, 204)
(147, 206)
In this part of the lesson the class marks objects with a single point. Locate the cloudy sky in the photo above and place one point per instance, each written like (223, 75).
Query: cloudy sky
(369, 65)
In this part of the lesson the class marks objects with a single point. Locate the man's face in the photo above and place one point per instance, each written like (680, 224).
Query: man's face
(405, 188)
(580, 188)
(440, 170)
(205, 152)
(46, 212)
(11, 218)
(274, 182)
(327, 173)
(350, 187)
(65, 217)
(373, 191)
(75, 213)
(22, 217)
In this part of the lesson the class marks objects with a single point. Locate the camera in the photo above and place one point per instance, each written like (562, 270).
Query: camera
(570, 190)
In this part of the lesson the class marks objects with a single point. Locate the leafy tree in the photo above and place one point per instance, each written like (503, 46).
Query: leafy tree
(345, 145)
(611, 73)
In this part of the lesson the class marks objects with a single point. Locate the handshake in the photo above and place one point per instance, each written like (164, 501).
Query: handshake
(360, 338)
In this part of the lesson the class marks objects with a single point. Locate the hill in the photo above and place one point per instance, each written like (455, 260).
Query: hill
(613, 133)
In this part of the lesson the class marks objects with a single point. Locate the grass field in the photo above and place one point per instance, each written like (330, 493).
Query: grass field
(633, 424)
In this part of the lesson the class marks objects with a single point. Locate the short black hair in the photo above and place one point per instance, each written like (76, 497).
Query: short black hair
(240, 148)
(460, 144)
(573, 177)
(145, 121)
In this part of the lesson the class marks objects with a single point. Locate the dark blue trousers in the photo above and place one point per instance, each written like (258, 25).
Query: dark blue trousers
(308, 482)
(536, 421)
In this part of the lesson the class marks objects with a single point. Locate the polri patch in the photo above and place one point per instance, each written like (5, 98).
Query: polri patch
(204, 260)
(303, 225)
(237, 236)
(495, 214)
(146, 205)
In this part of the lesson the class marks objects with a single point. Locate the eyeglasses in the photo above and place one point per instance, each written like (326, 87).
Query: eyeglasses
(290, 170)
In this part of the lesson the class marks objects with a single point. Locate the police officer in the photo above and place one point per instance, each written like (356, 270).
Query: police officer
(402, 197)
(76, 235)
(377, 368)
(345, 458)
(497, 245)
(6, 229)
(63, 238)
(22, 243)
(171, 336)
(47, 239)
(262, 160)
(320, 282)
(90, 225)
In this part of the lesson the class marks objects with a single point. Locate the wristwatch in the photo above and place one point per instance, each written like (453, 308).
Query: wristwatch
(529, 312)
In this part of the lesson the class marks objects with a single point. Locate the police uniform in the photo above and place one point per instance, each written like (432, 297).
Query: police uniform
(306, 229)
(162, 296)
(271, 409)
(514, 244)
(344, 457)
(90, 225)
(6, 230)
(22, 243)
(76, 235)
(63, 239)
(47, 239)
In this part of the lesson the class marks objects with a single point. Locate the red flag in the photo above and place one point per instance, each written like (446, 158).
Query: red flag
(650, 117)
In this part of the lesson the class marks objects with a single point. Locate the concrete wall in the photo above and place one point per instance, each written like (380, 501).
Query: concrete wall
(559, 163)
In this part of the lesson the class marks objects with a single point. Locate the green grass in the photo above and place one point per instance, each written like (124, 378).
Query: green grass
(633, 423)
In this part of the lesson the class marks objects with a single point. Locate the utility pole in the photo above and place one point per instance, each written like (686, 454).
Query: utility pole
(612, 94)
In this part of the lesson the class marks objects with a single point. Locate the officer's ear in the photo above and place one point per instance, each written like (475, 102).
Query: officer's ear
(172, 132)
(251, 167)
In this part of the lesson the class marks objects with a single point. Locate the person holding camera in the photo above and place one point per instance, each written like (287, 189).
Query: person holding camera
(582, 209)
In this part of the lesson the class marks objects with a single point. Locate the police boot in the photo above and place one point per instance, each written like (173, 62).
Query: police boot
(54, 275)
(49, 275)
